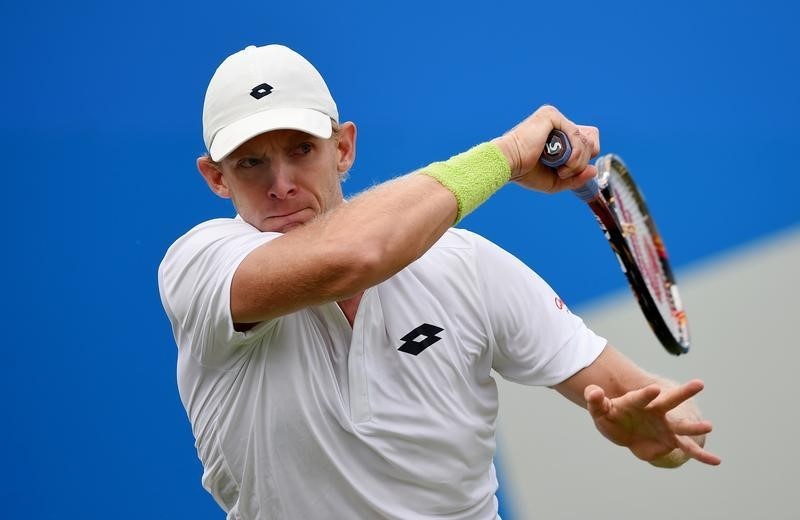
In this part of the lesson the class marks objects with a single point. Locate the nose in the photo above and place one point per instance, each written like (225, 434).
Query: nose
(283, 185)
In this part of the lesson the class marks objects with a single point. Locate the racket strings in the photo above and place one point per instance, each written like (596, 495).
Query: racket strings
(649, 251)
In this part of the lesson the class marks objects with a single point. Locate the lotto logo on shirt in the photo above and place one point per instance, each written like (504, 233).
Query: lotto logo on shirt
(560, 305)
(420, 338)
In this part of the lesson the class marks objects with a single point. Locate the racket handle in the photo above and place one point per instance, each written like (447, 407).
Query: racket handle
(588, 191)
(556, 152)
(557, 149)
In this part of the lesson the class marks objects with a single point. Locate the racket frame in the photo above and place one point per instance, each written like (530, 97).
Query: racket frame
(602, 205)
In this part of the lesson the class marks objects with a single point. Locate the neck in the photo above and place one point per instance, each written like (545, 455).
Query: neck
(350, 307)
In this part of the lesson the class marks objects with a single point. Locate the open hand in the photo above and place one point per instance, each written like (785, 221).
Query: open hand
(652, 423)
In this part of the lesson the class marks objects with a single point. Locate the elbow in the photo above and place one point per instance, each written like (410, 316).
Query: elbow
(353, 270)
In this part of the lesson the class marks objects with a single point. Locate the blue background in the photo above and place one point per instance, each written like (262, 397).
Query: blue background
(101, 106)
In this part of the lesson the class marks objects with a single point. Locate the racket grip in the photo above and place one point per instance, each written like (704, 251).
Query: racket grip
(556, 152)
(588, 191)
(557, 149)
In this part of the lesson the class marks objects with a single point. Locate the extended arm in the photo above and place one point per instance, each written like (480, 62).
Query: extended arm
(378, 233)
(653, 417)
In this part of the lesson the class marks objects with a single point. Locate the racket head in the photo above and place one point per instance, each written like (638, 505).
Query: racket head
(641, 249)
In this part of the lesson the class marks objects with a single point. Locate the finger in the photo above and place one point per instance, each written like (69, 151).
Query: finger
(684, 427)
(692, 449)
(582, 178)
(580, 156)
(674, 396)
(592, 133)
(596, 401)
(642, 397)
(574, 182)
(581, 147)
(585, 145)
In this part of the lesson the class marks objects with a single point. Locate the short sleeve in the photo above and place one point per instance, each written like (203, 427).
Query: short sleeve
(537, 339)
(194, 281)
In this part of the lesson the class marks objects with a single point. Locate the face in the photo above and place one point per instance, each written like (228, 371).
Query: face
(282, 179)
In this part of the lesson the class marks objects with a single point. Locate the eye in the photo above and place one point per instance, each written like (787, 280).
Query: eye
(302, 149)
(248, 162)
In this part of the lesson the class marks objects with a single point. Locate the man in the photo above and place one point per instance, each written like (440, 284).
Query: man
(334, 356)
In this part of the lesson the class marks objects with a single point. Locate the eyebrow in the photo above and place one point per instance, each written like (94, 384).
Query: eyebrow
(247, 154)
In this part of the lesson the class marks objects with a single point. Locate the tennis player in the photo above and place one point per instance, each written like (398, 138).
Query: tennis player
(335, 356)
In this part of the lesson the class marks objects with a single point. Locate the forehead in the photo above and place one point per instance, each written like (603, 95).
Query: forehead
(272, 140)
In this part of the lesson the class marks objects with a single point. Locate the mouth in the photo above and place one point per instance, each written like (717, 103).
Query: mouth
(284, 222)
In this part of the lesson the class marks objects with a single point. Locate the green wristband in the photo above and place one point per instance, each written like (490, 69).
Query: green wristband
(472, 176)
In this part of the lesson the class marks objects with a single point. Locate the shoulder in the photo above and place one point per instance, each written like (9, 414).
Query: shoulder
(468, 244)
(464, 257)
(211, 230)
(220, 233)
(469, 254)
(212, 247)
(455, 250)
(463, 239)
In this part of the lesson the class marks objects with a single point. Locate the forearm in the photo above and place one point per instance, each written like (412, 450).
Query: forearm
(612, 371)
(353, 247)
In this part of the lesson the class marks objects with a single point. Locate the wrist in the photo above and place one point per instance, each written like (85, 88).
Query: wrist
(472, 176)
(508, 145)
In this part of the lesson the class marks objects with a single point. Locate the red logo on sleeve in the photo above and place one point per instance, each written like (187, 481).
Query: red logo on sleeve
(560, 305)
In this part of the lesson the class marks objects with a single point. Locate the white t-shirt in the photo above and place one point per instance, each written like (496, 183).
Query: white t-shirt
(306, 417)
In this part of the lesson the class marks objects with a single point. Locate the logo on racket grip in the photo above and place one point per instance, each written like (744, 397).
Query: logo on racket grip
(553, 147)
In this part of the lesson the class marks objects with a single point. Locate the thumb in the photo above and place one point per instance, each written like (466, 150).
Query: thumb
(578, 180)
(596, 401)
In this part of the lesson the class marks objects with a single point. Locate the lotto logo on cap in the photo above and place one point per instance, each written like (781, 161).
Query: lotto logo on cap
(260, 89)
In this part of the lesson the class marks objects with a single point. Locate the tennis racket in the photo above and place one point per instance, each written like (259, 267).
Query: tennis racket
(621, 211)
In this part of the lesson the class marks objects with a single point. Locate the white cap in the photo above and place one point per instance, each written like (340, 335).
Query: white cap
(259, 89)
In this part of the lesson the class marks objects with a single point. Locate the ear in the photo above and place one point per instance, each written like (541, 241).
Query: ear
(213, 176)
(346, 146)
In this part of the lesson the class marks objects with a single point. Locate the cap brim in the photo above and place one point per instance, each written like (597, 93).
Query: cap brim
(304, 119)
